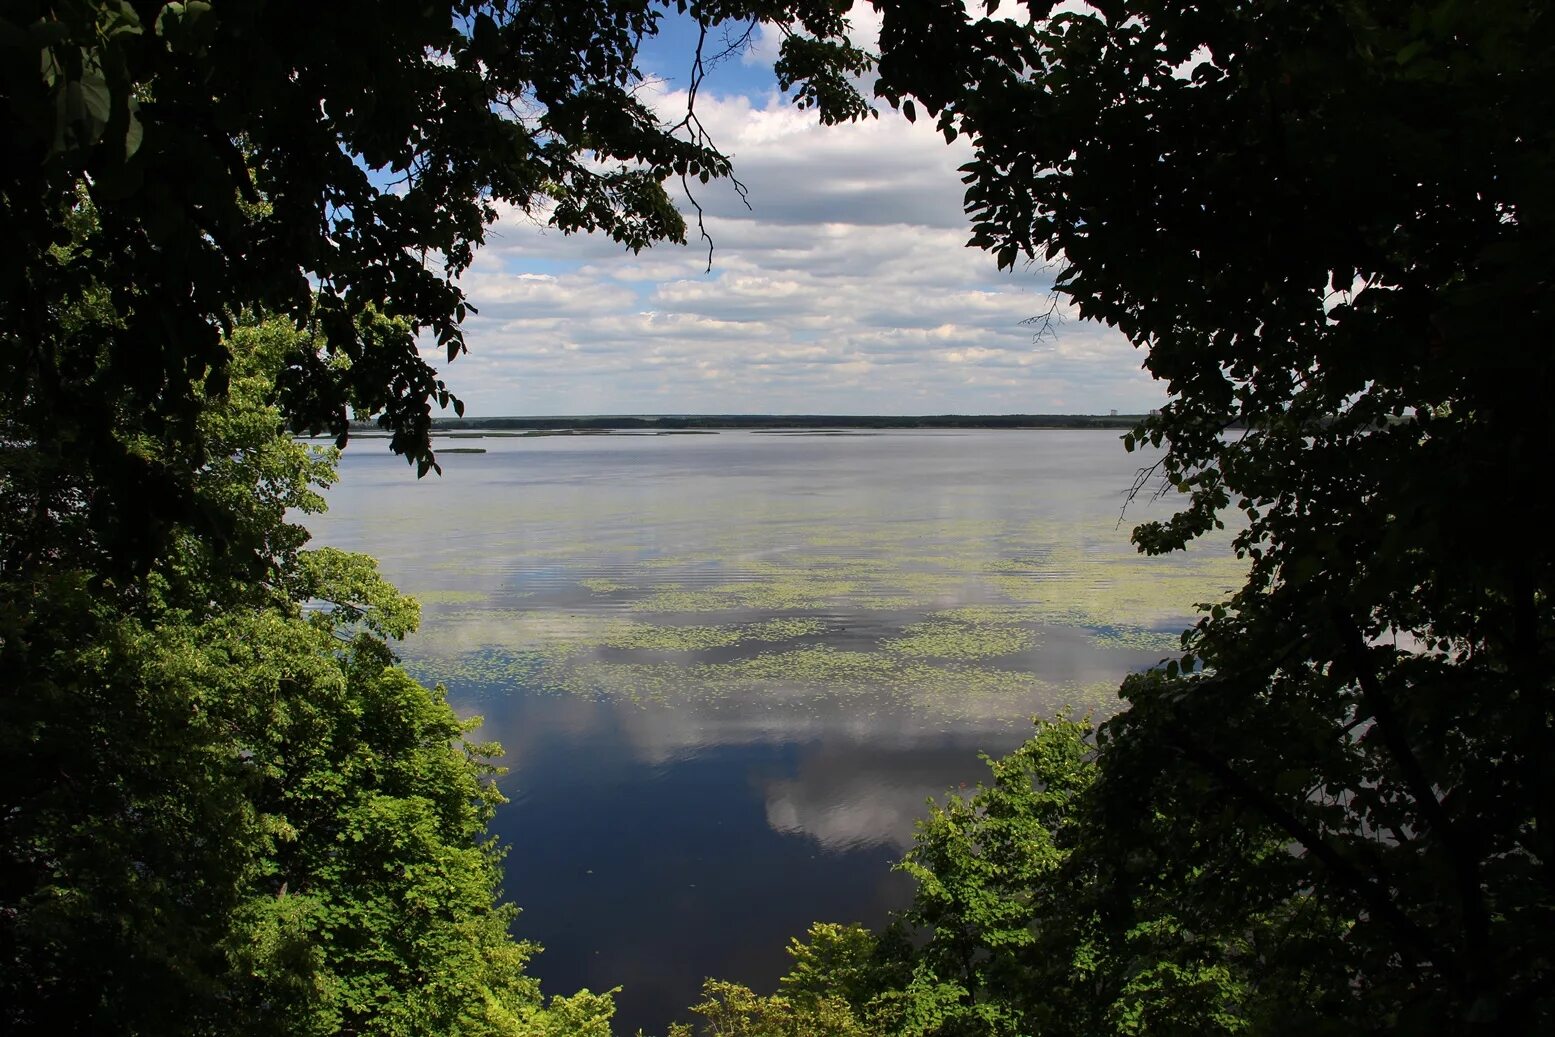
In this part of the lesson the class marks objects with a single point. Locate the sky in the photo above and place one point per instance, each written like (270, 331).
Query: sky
(844, 288)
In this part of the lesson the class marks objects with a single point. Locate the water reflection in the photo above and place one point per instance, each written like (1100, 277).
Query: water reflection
(649, 862)
(856, 794)
(729, 671)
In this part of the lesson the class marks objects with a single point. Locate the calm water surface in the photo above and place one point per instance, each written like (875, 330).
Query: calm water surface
(728, 670)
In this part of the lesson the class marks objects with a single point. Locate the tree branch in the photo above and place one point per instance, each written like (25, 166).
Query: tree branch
(1368, 890)
(1465, 867)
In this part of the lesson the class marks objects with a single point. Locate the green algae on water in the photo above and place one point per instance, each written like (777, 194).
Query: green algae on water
(450, 597)
(961, 640)
(704, 638)
(600, 585)
(934, 614)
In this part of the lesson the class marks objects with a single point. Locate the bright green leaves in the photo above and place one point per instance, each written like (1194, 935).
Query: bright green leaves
(375, 870)
(349, 586)
(1029, 916)
(986, 867)
(734, 1010)
(834, 960)
(228, 810)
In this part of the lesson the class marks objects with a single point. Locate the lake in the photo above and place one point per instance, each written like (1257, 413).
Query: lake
(729, 670)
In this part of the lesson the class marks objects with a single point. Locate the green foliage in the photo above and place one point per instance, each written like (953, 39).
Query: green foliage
(228, 810)
(323, 163)
(1030, 923)
(836, 962)
(732, 1010)
(1032, 915)
(1327, 226)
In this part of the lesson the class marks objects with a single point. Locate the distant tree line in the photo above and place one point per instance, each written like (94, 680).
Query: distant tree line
(795, 421)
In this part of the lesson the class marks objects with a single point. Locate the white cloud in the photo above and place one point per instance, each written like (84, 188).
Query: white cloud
(844, 287)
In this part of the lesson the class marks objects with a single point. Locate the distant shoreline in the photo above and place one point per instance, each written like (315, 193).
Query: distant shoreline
(692, 422)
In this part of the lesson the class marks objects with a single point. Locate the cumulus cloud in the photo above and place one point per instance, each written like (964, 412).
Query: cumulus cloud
(840, 283)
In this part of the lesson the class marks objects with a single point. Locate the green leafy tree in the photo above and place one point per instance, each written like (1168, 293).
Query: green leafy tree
(1024, 922)
(1032, 915)
(835, 972)
(1327, 226)
(319, 162)
(226, 812)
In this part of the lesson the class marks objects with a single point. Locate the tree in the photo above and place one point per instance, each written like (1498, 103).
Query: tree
(1026, 920)
(225, 813)
(1327, 226)
(318, 163)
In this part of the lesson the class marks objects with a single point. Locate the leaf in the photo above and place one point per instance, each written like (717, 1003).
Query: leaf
(168, 18)
(96, 99)
(134, 133)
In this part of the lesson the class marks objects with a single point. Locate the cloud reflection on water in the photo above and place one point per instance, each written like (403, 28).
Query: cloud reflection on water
(691, 784)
